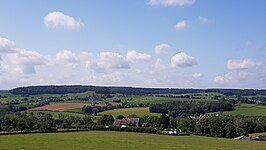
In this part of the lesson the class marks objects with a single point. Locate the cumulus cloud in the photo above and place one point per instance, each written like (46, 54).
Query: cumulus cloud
(202, 20)
(111, 78)
(6, 46)
(111, 60)
(108, 60)
(159, 65)
(242, 73)
(171, 2)
(24, 61)
(181, 25)
(67, 56)
(236, 64)
(136, 57)
(162, 49)
(197, 75)
(60, 20)
(183, 60)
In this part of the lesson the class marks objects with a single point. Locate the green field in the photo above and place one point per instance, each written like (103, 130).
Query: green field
(248, 110)
(257, 134)
(56, 113)
(130, 111)
(101, 140)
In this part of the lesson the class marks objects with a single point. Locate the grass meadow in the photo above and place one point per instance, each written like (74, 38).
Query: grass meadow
(103, 140)
(248, 110)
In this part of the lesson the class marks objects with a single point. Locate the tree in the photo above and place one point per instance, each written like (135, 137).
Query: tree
(202, 126)
(87, 110)
(164, 121)
(95, 111)
(106, 120)
(173, 123)
(230, 131)
(217, 127)
(120, 117)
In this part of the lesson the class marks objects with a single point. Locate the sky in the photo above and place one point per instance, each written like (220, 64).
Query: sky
(139, 43)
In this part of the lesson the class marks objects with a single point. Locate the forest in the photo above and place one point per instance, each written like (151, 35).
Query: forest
(34, 90)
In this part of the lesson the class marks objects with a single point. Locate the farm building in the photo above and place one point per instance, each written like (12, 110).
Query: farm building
(243, 137)
(260, 138)
(126, 122)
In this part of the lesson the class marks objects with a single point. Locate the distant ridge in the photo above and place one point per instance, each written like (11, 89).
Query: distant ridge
(65, 89)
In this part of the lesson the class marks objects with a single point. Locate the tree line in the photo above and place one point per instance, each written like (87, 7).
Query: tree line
(191, 108)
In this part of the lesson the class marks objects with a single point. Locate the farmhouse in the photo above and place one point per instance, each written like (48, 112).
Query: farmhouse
(126, 122)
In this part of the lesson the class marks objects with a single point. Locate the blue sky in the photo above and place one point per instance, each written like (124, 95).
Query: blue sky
(144, 43)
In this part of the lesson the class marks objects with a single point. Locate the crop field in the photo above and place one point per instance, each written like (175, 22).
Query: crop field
(101, 140)
(130, 111)
(61, 106)
(55, 114)
(248, 110)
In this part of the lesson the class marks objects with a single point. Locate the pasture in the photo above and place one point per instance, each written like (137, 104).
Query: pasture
(248, 110)
(102, 140)
(130, 111)
(55, 114)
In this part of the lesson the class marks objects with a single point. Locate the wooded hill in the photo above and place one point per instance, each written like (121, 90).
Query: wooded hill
(65, 89)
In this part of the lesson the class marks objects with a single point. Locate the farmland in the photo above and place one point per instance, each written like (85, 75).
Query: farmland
(130, 111)
(101, 140)
(248, 110)
(55, 114)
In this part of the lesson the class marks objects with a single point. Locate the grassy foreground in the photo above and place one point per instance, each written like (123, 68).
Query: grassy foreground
(101, 140)
(130, 111)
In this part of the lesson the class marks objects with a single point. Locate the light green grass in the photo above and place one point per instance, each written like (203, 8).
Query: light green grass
(248, 110)
(101, 140)
(56, 113)
(130, 111)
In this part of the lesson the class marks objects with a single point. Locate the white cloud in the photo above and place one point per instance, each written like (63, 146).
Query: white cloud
(24, 61)
(242, 73)
(162, 49)
(67, 56)
(159, 65)
(220, 80)
(197, 75)
(111, 60)
(60, 20)
(6, 46)
(181, 25)
(236, 64)
(106, 79)
(171, 2)
(183, 60)
(203, 20)
(136, 57)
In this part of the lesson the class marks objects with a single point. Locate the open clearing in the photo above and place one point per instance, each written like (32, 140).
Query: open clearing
(101, 140)
(130, 111)
(248, 110)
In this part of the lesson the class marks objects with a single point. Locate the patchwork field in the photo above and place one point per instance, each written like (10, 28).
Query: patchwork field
(61, 106)
(101, 140)
(55, 114)
(249, 110)
(130, 111)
